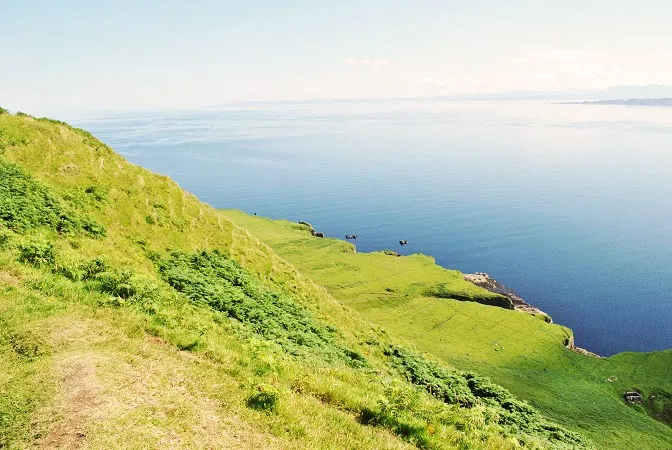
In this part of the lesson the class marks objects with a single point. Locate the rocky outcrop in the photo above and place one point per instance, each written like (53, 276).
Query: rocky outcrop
(441, 290)
(307, 225)
(633, 397)
(311, 229)
(484, 280)
(569, 343)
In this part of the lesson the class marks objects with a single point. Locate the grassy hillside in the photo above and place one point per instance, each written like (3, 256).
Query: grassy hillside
(134, 316)
(523, 353)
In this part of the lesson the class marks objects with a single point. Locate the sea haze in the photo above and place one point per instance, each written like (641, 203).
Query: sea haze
(568, 204)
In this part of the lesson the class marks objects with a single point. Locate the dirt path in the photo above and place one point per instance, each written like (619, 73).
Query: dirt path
(81, 401)
(116, 392)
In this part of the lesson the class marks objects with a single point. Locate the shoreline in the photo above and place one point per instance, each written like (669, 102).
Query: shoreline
(485, 281)
(482, 279)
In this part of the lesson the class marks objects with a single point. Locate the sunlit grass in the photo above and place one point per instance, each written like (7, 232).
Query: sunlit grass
(163, 369)
(526, 355)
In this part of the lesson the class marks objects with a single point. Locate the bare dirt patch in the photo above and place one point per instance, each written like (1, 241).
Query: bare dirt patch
(80, 401)
(121, 392)
(9, 279)
(69, 169)
(82, 333)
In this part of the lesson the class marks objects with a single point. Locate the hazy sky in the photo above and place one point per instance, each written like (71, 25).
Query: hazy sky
(101, 55)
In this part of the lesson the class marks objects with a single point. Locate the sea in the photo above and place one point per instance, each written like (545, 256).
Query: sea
(569, 205)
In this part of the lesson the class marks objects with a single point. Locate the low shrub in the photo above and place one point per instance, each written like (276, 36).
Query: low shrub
(38, 254)
(399, 398)
(126, 285)
(118, 283)
(213, 279)
(92, 228)
(5, 238)
(264, 398)
(92, 268)
(72, 272)
(448, 386)
(96, 192)
(27, 204)
(466, 389)
(400, 412)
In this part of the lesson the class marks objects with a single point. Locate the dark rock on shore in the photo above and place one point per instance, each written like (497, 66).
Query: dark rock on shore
(311, 229)
(442, 291)
(633, 397)
(484, 280)
(570, 345)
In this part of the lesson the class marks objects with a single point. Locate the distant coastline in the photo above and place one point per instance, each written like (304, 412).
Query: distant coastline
(628, 102)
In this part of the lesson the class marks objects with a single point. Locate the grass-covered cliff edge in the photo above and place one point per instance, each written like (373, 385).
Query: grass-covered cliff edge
(134, 316)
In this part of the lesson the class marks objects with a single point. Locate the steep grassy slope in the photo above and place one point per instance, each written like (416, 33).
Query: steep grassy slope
(134, 316)
(526, 355)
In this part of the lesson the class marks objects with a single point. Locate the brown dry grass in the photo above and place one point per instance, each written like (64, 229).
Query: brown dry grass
(9, 279)
(116, 392)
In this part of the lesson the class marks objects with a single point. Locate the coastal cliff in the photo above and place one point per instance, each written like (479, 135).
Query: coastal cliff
(125, 300)
(533, 357)
(485, 281)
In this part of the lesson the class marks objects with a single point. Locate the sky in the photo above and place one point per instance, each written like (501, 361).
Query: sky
(83, 55)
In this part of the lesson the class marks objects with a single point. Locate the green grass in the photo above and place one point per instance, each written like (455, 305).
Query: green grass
(524, 354)
(183, 318)
(54, 328)
(26, 204)
(213, 279)
(177, 328)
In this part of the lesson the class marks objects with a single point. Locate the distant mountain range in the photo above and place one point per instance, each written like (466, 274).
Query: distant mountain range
(651, 91)
(631, 101)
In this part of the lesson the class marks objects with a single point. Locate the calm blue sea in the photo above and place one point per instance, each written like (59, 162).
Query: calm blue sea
(571, 205)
